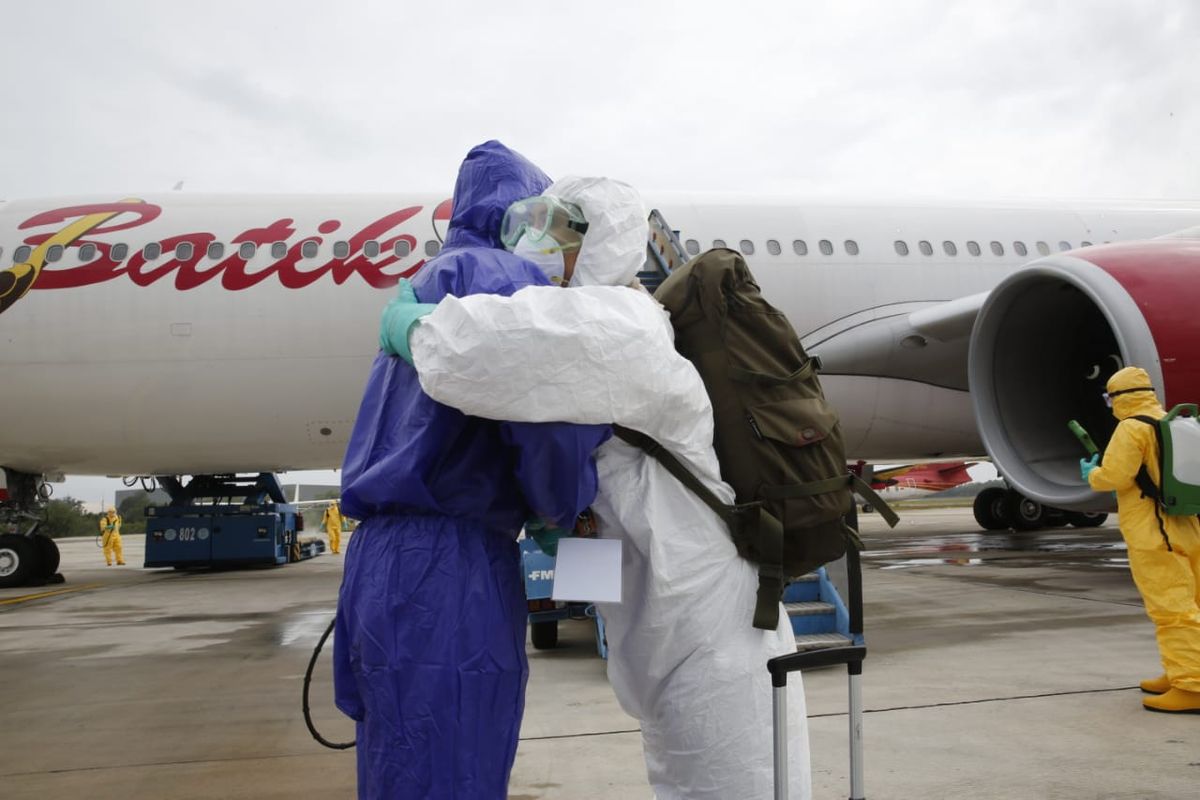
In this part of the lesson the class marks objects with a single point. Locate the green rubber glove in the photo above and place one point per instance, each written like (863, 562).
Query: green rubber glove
(546, 536)
(399, 317)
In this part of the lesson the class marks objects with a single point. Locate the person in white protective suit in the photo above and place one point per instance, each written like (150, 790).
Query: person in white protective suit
(683, 658)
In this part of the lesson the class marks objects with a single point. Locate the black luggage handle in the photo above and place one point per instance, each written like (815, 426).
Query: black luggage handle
(852, 656)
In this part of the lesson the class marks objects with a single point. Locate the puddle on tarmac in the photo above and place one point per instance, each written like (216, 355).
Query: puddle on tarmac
(303, 628)
(1072, 549)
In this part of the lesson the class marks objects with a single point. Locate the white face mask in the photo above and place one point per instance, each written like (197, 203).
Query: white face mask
(551, 264)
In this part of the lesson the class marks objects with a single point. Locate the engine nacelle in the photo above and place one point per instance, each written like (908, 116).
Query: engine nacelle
(1050, 335)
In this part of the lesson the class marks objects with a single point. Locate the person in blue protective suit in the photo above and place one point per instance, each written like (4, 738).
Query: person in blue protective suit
(429, 648)
(1164, 550)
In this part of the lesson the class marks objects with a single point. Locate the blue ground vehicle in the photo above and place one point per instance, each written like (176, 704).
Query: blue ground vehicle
(223, 521)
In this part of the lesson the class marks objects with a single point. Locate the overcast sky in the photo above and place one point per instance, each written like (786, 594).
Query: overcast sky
(984, 100)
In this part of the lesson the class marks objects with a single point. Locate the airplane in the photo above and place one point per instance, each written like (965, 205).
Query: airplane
(919, 480)
(180, 334)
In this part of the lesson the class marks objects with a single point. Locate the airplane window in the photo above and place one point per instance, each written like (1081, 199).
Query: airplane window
(371, 248)
(119, 251)
(926, 247)
(1021, 249)
(432, 248)
(997, 249)
(341, 249)
(246, 250)
(800, 247)
(1043, 248)
(184, 251)
(773, 247)
(401, 248)
(216, 250)
(747, 247)
(851, 247)
(54, 253)
(692, 247)
(87, 252)
(901, 248)
(21, 254)
(309, 249)
(718, 242)
(973, 248)
(1085, 244)
(826, 247)
(152, 251)
(278, 249)
(950, 248)
(1064, 245)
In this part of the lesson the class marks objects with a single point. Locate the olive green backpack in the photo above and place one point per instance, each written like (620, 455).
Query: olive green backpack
(777, 439)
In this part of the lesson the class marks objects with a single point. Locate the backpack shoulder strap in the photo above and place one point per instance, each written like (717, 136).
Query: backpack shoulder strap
(676, 467)
(1146, 484)
(747, 521)
(1143, 480)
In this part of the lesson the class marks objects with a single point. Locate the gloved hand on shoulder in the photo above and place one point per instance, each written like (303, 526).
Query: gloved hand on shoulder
(546, 536)
(399, 317)
(1086, 465)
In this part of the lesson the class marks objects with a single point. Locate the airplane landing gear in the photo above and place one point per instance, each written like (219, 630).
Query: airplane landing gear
(998, 509)
(27, 557)
(990, 511)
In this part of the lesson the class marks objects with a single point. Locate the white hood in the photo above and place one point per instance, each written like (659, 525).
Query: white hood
(614, 247)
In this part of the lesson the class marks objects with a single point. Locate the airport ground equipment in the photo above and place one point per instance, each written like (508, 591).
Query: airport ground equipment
(544, 612)
(28, 557)
(852, 655)
(225, 520)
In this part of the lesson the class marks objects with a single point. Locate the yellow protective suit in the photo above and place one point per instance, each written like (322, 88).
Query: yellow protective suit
(1169, 580)
(110, 537)
(333, 527)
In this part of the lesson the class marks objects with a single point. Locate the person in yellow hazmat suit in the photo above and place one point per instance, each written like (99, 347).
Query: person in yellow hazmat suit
(333, 526)
(110, 538)
(1164, 550)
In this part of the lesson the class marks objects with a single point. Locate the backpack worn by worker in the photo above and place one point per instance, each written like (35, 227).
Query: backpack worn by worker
(1178, 435)
(777, 440)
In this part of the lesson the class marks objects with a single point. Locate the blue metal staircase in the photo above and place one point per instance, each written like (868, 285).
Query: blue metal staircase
(818, 614)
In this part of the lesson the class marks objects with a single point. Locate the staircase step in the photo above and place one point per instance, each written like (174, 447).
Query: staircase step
(816, 641)
(809, 608)
(806, 587)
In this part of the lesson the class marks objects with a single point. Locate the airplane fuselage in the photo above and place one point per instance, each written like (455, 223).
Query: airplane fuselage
(183, 334)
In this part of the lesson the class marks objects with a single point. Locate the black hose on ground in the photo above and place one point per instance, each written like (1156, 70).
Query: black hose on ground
(312, 663)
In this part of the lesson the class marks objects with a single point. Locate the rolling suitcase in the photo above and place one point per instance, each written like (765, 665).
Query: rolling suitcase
(852, 656)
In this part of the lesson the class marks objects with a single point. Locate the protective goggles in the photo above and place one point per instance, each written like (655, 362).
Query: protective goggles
(1108, 397)
(540, 216)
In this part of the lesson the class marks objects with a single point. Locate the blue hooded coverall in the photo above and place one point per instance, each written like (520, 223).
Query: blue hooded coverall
(429, 648)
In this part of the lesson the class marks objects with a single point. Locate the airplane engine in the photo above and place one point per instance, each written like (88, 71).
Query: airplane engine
(1048, 337)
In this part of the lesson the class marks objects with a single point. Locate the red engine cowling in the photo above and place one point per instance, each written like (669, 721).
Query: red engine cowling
(1050, 335)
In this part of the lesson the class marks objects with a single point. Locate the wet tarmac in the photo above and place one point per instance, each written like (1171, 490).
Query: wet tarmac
(1001, 665)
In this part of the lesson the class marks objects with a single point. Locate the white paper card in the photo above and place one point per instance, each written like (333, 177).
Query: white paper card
(588, 570)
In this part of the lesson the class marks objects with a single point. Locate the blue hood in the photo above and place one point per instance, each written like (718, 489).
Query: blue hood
(491, 178)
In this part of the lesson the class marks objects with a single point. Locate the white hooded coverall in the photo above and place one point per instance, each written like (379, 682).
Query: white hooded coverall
(684, 658)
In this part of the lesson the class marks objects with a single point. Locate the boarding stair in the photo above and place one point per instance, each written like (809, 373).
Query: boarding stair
(664, 253)
(819, 615)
